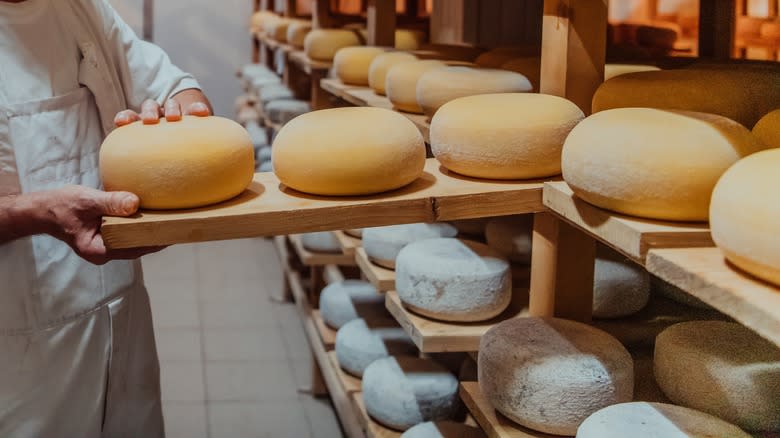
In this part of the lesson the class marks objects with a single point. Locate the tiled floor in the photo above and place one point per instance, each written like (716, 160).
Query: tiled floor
(231, 360)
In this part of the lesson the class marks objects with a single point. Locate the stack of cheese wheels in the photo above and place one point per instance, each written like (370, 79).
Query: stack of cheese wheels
(620, 287)
(382, 244)
(615, 70)
(351, 64)
(277, 29)
(349, 151)
(377, 72)
(346, 300)
(355, 232)
(297, 31)
(499, 56)
(511, 136)
(642, 419)
(322, 44)
(743, 222)
(271, 92)
(721, 368)
(443, 429)
(550, 374)
(530, 67)
(744, 94)
(658, 164)
(510, 236)
(453, 280)
(360, 342)
(439, 86)
(401, 83)
(401, 392)
(768, 129)
(190, 163)
(324, 241)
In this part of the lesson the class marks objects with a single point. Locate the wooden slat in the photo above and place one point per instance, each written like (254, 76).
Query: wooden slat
(633, 237)
(381, 23)
(382, 278)
(371, 427)
(268, 208)
(310, 258)
(705, 274)
(306, 64)
(432, 336)
(350, 384)
(348, 243)
(327, 334)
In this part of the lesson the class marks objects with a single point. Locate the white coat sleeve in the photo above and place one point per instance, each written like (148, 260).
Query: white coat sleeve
(145, 70)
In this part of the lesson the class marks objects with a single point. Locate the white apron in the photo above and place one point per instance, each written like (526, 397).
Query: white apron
(77, 352)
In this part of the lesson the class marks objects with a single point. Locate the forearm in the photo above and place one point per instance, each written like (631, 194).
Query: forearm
(22, 216)
(192, 95)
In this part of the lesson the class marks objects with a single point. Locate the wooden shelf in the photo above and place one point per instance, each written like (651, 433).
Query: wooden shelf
(371, 427)
(268, 208)
(350, 384)
(306, 64)
(431, 336)
(310, 258)
(382, 278)
(633, 237)
(274, 45)
(348, 243)
(708, 276)
(327, 334)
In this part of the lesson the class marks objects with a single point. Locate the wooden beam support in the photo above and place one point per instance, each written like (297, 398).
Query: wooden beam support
(291, 8)
(321, 17)
(381, 23)
(574, 45)
(716, 29)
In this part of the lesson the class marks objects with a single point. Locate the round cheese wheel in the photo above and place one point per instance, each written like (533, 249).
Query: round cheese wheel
(530, 67)
(407, 39)
(619, 288)
(343, 301)
(324, 241)
(297, 31)
(510, 136)
(282, 111)
(358, 344)
(614, 70)
(550, 374)
(265, 166)
(382, 244)
(443, 429)
(453, 280)
(377, 72)
(744, 94)
(401, 83)
(260, 19)
(658, 164)
(642, 419)
(258, 135)
(721, 368)
(401, 392)
(349, 151)
(277, 29)
(194, 162)
(744, 224)
(768, 129)
(259, 82)
(499, 56)
(322, 44)
(511, 237)
(439, 86)
(269, 93)
(351, 64)
(355, 232)
(264, 154)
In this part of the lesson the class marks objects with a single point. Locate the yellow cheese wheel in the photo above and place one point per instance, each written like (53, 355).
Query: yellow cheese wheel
(613, 70)
(499, 56)
(351, 64)
(260, 19)
(743, 217)
(768, 129)
(401, 83)
(277, 29)
(190, 163)
(406, 39)
(503, 136)
(297, 31)
(377, 72)
(439, 86)
(348, 151)
(658, 164)
(530, 67)
(322, 44)
(741, 94)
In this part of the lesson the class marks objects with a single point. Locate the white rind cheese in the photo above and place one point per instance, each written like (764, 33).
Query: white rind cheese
(358, 344)
(382, 244)
(343, 301)
(282, 111)
(324, 241)
(619, 289)
(511, 237)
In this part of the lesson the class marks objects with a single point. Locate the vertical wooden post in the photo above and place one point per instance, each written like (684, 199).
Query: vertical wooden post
(320, 14)
(291, 8)
(574, 45)
(774, 5)
(716, 29)
(381, 23)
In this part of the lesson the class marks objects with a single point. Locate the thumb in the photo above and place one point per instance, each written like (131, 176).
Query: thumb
(118, 203)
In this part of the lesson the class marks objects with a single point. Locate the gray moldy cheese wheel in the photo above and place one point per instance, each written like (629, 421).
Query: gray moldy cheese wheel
(282, 111)
(550, 374)
(503, 136)
(401, 392)
(323, 241)
(271, 92)
(322, 44)
(194, 162)
(745, 224)
(382, 244)
(343, 301)
(620, 288)
(768, 129)
(351, 64)
(721, 368)
(443, 429)
(511, 237)
(657, 164)
(360, 342)
(439, 86)
(741, 94)
(453, 280)
(640, 419)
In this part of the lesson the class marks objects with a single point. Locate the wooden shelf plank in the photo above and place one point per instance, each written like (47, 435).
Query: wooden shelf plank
(307, 64)
(382, 278)
(708, 276)
(633, 237)
(327, 334)
(310, 258)
(351, 384)
(432, 336)
(348, 243)
(371, 427)
(268, 208)
(274, 45)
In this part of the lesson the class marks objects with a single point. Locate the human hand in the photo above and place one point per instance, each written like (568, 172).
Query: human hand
(74, 214)
(151, 112)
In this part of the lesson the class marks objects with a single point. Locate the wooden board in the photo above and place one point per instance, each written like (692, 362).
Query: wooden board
(307, 64)
(432, 336)
(311, 258)
(268, 208)
(382, 278)
(633, 237)
(273, 44)
(348, 243)
(332, 274)
(371, 427)
(349, 383)
(327, 334)
(705, 274)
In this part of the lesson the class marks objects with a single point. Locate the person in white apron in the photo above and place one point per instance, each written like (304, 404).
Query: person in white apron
(77, 351)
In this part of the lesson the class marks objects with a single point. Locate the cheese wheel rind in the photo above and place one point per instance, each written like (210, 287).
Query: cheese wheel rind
(322, 44)
(377, 72)
(297, 31)
(443, 429)
(401, 83)
(615, 70)
(343, 301)
(382, 244)
(351, 64)
(620, 288)
(323, 241)
(358, 344)
(768, 129)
